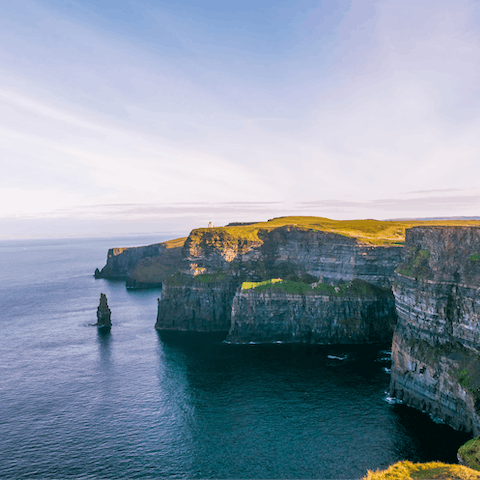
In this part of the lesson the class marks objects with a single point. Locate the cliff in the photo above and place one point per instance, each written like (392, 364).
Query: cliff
(143, 267)
(190, 304)
(121, 261)
(300, 249)
(263, 251)
(355, 313)
(436, 344)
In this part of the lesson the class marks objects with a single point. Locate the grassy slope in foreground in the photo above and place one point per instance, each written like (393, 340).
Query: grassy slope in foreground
(470, 453)
(432, 470)
(373, 232)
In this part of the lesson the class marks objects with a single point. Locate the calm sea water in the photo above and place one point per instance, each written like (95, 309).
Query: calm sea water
(75, 403)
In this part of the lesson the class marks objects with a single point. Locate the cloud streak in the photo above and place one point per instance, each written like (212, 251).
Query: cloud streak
(331, 109)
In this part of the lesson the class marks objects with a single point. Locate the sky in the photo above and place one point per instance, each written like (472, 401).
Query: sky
(146, 116)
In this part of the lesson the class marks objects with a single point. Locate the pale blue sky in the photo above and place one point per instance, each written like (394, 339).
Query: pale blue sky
(133, 116)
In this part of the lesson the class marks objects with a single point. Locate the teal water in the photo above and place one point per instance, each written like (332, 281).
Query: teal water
(137, 404)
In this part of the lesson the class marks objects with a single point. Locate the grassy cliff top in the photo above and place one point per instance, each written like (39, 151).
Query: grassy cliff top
(175, 243)
(409, 471)
(375, 232)
(355, 288)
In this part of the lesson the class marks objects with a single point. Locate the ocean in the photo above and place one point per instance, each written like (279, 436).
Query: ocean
(136, 403)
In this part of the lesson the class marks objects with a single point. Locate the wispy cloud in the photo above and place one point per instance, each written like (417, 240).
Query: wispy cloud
(337, 109)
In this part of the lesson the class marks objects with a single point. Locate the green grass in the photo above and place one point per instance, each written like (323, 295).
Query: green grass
(432, 470)
(475, 258)
(355, 288)
(211, 277)
(435, 472)
(470, 452)
(373, 232)
(175, 243)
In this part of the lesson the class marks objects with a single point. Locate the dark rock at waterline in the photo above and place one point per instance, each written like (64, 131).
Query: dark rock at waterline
(103, 313)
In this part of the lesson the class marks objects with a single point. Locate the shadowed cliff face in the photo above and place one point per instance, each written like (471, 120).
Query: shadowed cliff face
(436, 344)
(188, 305)
(269, 317)
(215, 263)
(122, 261)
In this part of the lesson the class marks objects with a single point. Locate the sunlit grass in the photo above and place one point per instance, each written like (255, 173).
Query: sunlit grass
(355, 288)
(431, 470)
(176, 242)
(373, 232)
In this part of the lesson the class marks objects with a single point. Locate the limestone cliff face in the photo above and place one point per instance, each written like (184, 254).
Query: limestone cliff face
(122, 261)
(436, 345)
(268, 317)
(330, 257)
(286, 252)
(192, 306)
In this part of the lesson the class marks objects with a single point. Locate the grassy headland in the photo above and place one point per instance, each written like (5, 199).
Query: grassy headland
(375, 232)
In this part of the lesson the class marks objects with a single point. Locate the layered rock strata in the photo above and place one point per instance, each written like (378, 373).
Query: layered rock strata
(193, 306)
(287, 252)
(436, 344)
(269, 317)
(122, 261)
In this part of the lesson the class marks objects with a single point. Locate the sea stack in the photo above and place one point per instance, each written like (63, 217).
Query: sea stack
(103, 313)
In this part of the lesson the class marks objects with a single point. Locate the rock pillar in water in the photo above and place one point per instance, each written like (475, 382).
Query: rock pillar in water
(103, 312)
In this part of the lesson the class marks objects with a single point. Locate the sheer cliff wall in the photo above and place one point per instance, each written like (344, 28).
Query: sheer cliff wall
(287, 250)
(269, 317)
(122, 261)
(224, 260)
(436, 343)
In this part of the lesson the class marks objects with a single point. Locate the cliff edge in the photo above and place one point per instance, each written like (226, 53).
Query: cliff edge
(436, 344)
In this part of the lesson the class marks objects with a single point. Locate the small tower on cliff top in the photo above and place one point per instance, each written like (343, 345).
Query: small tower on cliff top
(103, 313)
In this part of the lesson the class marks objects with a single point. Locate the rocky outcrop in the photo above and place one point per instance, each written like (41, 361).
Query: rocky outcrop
(103, 313)
(276, 316)
(122, 261)
(150, 272)
(291, 251)
(288, 252)
(436, 345)
(190, 305)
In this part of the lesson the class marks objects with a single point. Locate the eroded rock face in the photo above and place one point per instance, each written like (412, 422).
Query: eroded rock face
(122, 261)
(103, 313)
(196, 307)
(286, 252)
(269, 317)
(330, 257)
(436, 345)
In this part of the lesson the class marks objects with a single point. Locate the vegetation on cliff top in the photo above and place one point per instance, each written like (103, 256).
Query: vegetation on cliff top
(355, 288)
(373, 232)
(175, 243)
(432, 470)
(470, 453)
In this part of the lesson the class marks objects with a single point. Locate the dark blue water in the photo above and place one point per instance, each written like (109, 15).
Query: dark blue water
(137, 404)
